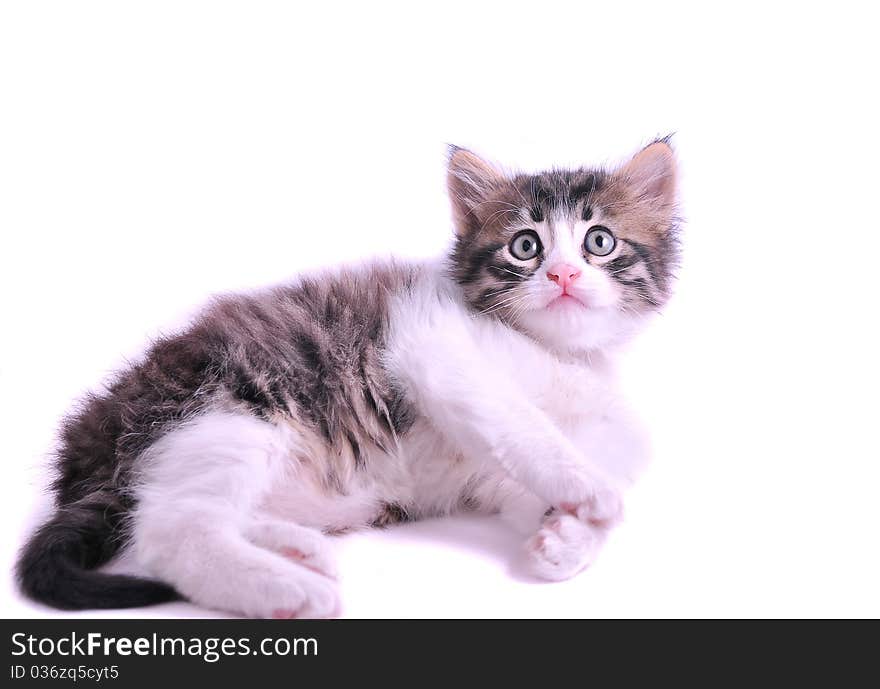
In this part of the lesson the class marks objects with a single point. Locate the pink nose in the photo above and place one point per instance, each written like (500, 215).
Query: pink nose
(563, 274)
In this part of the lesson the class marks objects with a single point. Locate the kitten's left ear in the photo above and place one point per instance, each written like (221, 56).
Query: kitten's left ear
(652, 174)
(471, 180)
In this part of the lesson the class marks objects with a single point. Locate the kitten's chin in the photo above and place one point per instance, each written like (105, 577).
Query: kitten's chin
(574, 327)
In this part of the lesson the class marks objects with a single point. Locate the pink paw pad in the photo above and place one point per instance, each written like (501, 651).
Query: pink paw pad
(604, 511)
(302, 558)
(284, 614)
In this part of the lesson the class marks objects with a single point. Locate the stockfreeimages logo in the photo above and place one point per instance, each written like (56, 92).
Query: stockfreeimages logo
(210, 650)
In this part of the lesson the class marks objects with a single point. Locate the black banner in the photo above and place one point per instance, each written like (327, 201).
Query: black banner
(143, 652)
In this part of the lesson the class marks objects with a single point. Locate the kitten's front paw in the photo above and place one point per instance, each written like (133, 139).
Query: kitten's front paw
(563, 547)
(602, 509)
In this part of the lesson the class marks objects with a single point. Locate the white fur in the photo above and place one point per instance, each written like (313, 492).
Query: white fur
(196, 524)
(230, 511)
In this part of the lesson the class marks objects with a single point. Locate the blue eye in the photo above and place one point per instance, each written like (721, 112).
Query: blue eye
(525, 245)
(599, 241)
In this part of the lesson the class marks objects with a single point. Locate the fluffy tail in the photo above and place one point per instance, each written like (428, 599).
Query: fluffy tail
(56, 566)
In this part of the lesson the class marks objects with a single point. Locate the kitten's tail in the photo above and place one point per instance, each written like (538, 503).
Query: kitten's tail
(56, 566)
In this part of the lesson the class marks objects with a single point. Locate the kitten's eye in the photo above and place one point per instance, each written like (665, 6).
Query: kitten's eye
(599, 241)
(525, 245)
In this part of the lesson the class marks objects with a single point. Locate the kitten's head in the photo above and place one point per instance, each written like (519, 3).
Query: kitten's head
(576, 258)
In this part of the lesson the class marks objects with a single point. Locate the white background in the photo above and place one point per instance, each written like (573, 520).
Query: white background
(152, 154)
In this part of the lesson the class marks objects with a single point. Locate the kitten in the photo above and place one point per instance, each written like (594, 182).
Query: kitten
(368, 396)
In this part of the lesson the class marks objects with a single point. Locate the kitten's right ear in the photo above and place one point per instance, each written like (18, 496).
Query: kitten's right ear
(470, 180)
(652, 173)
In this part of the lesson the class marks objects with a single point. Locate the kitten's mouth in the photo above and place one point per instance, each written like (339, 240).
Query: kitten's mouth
(567, 301)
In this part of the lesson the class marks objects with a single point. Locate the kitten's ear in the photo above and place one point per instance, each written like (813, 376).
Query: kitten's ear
(652, 173)
(470, 180)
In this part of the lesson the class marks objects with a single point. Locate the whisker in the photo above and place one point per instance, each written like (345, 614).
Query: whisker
(489, 219)
(507, 270)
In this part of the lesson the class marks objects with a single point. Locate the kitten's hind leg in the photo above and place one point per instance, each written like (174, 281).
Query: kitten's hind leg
(194, 525)
(214, 566)
(306, 546)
